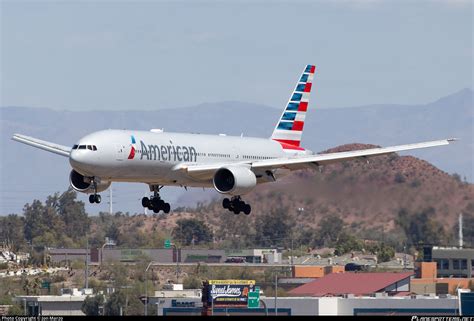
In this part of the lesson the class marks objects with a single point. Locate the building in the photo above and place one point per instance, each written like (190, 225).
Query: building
(340, 284)
(173, 255)
(451, 261)
(315, 306)
(315, 271)
(427, 281)
(257, 255)
(69, 303)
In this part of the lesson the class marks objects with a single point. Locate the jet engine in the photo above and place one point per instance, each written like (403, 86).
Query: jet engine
(234, 180)
(84, 184)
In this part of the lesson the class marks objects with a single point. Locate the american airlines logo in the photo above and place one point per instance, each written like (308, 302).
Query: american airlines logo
(167, 152)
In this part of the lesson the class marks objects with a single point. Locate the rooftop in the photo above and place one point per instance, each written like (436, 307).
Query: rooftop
(336, 284)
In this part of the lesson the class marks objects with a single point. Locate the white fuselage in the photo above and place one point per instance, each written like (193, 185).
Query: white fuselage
(156, 155)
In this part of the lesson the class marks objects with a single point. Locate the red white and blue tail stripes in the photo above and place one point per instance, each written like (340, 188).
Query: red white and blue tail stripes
(132, 148)
(289, 129)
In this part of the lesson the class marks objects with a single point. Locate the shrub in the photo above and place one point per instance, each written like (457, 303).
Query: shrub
(399, 178)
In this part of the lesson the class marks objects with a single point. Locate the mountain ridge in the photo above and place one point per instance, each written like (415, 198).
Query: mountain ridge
(24, 175)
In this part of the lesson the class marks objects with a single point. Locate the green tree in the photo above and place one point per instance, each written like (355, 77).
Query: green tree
(274, 228)
(383, 251)
(192, 282)
(91, 304)
(420, 228)
(11, 231)
(347, 243)
(16, 309)
(41, 219)
(330, 228)
(386, 253)
(115, 303)
(72, 212)
(113, 232)
(188, 229)
(468, 228)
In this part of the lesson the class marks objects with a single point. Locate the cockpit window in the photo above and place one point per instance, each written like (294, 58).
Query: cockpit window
(89, 147)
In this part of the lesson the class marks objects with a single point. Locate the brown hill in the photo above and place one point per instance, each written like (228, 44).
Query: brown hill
(367, 195)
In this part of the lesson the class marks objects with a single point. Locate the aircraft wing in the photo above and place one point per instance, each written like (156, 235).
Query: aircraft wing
(293, 163)
(44, 145)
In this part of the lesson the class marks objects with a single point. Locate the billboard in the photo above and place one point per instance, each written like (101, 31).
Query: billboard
(229, 292)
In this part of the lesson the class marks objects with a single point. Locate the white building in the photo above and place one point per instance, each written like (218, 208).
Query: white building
(69, 303)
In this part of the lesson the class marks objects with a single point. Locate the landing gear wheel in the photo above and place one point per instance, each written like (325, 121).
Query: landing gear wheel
(156, 203)
(91, 198)
(97, 198)
(236, 205)
(247, 209)
(146, 202)
(226, 203)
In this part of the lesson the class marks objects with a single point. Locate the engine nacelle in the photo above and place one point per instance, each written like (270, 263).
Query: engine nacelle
(84, 184)
(234, 180)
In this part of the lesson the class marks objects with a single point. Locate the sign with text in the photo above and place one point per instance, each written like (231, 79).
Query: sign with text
(230, 292)
(254, 298)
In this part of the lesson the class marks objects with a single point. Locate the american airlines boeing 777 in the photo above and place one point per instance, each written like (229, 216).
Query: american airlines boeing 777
(233, 165)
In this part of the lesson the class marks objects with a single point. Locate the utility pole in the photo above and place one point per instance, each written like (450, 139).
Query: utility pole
(291, 251)
(146, 287)
(405, 257)
(276, 292)
(110, 201)
(178, 257)
(87, 261)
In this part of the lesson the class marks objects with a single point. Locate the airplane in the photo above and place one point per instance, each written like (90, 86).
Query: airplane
(232, 165)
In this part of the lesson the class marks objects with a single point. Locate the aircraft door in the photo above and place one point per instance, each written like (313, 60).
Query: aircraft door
(235, 153)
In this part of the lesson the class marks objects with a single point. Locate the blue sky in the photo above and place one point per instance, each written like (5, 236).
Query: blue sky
(150, 55)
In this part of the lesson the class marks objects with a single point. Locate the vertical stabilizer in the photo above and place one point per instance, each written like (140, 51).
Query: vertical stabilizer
(289, 128)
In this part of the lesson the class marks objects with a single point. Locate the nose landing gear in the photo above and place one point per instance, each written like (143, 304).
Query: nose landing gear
(94, 198)
(155, 203)
(236, 205)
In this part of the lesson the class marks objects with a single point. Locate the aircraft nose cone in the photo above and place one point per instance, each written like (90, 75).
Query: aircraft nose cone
(75, 157)
(78, 159)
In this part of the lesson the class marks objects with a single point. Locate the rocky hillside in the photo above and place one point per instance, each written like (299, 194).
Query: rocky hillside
(363, 194)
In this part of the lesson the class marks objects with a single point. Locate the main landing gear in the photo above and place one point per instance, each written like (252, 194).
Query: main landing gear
(94, 198)
(155, 203)
(236, 205)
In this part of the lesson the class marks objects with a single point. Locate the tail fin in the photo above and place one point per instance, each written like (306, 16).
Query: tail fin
(289, 129)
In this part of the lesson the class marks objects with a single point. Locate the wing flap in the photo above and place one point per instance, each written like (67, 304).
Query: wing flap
(42, 144)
